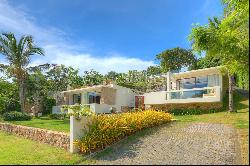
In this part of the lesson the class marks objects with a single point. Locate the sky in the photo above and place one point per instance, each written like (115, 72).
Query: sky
(105, 35)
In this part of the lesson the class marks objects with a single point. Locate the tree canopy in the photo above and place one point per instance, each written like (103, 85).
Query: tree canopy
(176, 58)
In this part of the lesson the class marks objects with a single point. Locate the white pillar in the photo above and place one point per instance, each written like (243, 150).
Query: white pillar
(77, 130)
(168, 84)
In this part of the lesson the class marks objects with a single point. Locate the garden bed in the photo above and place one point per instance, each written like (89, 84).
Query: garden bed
(105, 130)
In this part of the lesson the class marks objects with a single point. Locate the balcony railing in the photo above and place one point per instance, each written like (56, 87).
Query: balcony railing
(194, 93)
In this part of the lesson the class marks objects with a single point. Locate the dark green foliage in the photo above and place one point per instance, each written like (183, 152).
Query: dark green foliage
(8, 97)
(16, 116)
(92, 77)
(57, 116)
(194, 111)
(48, 103)
(205, 62)
(176, 58)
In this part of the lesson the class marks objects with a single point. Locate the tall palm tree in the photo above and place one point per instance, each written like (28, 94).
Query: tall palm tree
(18, 54)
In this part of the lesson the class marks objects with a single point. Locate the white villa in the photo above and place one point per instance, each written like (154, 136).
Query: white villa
(100, 98)
(204, 86)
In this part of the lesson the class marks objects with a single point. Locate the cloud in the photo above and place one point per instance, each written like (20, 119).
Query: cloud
(58, 49)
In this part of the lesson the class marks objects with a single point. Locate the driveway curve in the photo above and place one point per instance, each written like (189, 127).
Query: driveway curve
(178, 144)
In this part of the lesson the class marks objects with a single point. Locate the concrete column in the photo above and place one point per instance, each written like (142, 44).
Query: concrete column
(78, 129)
(168, 84)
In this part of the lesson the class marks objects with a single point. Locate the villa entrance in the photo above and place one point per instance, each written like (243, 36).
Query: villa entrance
(139, 102)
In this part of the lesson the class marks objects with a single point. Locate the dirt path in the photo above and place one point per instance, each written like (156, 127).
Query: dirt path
(177, 143)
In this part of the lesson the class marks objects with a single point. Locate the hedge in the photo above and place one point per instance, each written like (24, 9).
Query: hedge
(16, 116)
(107, 129)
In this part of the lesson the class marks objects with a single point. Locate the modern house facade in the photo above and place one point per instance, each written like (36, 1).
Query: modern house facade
(100, 99)
(203, 87)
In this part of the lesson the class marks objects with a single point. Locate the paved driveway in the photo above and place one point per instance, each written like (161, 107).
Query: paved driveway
(177, 143)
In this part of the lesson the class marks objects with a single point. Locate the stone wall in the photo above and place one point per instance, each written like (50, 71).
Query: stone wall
(202, 106)
(108, 96)
(58, 139)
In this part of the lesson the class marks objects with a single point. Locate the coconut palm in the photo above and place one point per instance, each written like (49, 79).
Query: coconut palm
(18, 54)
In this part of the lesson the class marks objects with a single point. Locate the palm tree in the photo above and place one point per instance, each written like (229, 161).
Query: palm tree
(18, 54)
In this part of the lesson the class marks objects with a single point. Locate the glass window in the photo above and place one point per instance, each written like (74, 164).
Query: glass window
(213, 80)
(186, 83)
(77, 98)
(93, 98)
(201, 82)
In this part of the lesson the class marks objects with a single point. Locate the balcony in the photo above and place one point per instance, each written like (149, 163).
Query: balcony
(207, 94)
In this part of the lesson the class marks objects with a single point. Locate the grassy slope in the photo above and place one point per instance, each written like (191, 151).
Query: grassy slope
(45, 123)
(239, 120)
(17, 150)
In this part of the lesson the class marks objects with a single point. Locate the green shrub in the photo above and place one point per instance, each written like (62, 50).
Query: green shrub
(184, 111)
(48, 103)
(107, 129)
(57, 116)
(16, 116)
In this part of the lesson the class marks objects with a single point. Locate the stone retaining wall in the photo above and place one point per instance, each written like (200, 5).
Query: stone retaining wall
(58, 139)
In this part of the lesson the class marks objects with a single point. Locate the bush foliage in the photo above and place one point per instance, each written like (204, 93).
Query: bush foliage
(57, 116)
(48, 103)
(194, 111)
(16, 116)
(107, 129)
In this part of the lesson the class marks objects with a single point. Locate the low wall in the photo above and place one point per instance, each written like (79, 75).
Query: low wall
(58, 139)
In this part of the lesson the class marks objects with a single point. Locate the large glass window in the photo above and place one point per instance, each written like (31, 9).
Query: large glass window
(201, 82)
(198, 82)
(94, 98)
(213, 80)
(77, 98)
(186, 83)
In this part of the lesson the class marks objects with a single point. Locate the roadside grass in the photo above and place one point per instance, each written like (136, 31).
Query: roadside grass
(239, 120)
(46, 123)
(18, 150)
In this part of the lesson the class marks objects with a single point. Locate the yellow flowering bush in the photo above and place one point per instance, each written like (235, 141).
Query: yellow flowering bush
(107, 129)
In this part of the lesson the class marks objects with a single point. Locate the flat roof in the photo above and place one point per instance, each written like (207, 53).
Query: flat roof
(206, 71)
(95, 87)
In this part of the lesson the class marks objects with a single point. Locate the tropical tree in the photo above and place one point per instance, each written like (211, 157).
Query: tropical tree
(227, 39)
(92, 77)
(60, 77)
(18, 54)
(176, 58)
(154, 70)
(9, 100)
(206, 62)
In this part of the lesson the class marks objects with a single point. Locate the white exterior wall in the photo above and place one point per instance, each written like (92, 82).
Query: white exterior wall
(155, 97)
(100, 108)
(124, 97)
(160, 97)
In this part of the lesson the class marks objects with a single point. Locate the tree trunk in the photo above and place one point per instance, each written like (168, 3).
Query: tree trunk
(21, 95)
(230, 90)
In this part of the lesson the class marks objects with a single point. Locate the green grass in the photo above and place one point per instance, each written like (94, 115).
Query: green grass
(45, 123)
(239, 120)
(17, 150)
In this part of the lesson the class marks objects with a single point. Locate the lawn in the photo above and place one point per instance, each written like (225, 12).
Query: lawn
(45, 123)
(239, 120)
(17, 150)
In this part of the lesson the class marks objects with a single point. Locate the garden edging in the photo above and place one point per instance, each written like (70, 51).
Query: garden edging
(54, 138)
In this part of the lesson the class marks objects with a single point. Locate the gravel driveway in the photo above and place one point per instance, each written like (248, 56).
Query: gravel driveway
(176, 143)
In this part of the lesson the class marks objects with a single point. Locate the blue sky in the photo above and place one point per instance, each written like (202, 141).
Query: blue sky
(105, 35)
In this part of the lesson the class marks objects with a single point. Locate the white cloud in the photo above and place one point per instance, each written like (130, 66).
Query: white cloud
(58, 50)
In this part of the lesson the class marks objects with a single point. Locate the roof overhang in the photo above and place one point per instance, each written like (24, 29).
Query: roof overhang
(199, 72)
(97, 88)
